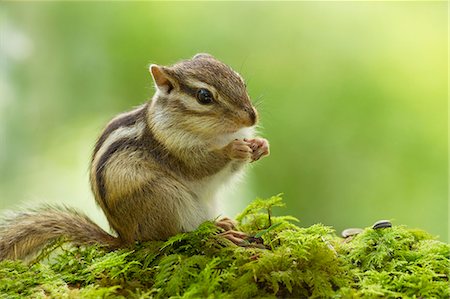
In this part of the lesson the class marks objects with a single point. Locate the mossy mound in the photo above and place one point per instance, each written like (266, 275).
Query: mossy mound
(296, 263)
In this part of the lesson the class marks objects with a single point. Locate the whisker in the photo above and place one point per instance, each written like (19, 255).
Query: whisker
(244, 61)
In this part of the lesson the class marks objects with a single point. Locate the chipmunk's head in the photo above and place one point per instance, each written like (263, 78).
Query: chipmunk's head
(202, 96)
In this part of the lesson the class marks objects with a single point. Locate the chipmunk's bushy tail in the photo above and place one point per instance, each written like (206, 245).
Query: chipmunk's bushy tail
(26, 232)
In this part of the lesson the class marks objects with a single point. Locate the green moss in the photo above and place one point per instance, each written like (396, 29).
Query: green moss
(297, 262)
(398, 262)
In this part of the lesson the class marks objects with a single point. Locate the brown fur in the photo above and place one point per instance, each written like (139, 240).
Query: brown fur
(23, 233)
(120, 121)
(214, 73)
(146, 163)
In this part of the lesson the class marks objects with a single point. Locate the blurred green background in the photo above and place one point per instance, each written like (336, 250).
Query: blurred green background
(353, 98)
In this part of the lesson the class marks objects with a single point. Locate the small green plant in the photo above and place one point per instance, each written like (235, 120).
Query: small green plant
(295, 262)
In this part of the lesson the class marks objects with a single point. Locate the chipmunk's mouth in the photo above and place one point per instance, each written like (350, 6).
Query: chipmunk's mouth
(226, 136)
(236, 128)
(245, 132)
(233, 127)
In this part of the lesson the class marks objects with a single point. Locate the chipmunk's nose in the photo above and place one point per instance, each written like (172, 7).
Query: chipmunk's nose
(252, 114)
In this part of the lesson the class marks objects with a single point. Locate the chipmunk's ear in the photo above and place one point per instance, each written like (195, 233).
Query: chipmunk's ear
(203, 55)
(162, 79)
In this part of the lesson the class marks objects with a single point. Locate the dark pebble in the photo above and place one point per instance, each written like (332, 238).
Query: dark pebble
(382, 224)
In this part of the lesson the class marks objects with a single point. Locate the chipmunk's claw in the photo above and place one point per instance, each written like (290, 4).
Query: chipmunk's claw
(259, 146)
(238, 238)
(239, 150)
(226, 224)
(229, 226)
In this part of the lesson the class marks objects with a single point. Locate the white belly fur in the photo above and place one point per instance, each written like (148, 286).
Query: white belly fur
(205, 207)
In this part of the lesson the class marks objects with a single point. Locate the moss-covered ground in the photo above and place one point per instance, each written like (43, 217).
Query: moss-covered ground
(282, 260)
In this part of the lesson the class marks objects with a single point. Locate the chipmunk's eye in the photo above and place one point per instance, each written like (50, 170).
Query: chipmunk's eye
(204, 96)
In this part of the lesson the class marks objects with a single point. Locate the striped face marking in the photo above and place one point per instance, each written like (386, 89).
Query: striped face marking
(204, 95)
(227, 86)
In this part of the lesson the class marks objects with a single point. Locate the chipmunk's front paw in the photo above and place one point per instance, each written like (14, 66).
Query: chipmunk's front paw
(259, 146)
(239, 150)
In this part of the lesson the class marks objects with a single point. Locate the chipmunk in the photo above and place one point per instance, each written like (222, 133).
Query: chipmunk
(156, 170)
